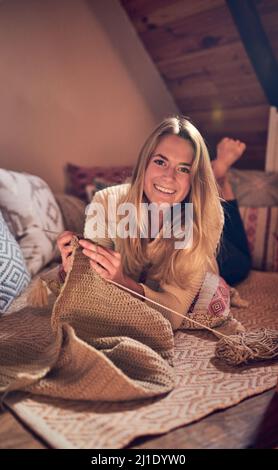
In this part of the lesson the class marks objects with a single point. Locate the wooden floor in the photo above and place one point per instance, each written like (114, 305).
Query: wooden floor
(252, 423)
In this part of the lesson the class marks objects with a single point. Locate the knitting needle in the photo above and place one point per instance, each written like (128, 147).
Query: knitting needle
(78, 235)
(167, 308)
(51, 231)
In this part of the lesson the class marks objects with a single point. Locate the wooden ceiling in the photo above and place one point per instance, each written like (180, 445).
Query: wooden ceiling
(197, 49)
(268, 11)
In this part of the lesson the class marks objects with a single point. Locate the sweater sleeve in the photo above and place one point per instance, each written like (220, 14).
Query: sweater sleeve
(175, 298)
(101, 217)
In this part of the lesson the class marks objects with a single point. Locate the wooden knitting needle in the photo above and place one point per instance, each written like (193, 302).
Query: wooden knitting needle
(51, 231)
(78, 235)
(167, 308)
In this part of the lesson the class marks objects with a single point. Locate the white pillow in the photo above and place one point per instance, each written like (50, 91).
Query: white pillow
(254, 188)
(28, 206)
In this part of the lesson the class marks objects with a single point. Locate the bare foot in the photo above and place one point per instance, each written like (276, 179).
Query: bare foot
(228, 152)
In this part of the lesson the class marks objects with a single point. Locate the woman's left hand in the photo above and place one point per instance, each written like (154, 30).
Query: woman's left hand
(106, 262)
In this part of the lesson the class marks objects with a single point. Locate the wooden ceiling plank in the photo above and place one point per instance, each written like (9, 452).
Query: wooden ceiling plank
(228, 59)
(191, 34)
(192, 83)
(194, 86)
(223, 96)
(249, 118)
(233, 51)
(217, 104)
(155, 14)
(268, 11)
(250, 137)
(266, 6)
(270, 23)
(137, 8)
(257, 46)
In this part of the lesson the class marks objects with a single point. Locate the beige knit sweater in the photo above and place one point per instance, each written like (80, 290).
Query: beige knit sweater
(169, 295)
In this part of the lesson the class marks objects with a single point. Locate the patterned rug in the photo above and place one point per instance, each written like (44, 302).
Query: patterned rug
(204, 385)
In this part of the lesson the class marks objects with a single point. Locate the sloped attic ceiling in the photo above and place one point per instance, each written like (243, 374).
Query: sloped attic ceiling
(197, 49)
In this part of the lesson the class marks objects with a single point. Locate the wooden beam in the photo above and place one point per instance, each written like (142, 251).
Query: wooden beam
(257, 46)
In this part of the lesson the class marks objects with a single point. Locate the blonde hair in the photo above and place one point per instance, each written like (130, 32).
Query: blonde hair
(169, 264)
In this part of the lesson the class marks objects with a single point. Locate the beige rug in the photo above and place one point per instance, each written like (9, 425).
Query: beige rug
(203, 386)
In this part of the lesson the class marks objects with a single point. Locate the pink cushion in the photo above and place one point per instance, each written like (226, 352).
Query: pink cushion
(97, 185)
(211, 305)
(78, 177)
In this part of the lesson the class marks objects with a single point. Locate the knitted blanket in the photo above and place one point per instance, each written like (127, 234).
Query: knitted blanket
(100, 343)
(204, 385)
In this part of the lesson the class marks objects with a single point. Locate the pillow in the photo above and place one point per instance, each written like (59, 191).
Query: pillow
(73, 212)
(28, 207)
(97, 185)
(261, 227)
(254, 188)
(78, 177)
(211, 306)
(14, 276)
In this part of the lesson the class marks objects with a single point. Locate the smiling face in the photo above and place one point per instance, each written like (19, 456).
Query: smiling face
(167, 176)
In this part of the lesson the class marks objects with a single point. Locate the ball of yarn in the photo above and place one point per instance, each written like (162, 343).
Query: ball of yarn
(257, 345)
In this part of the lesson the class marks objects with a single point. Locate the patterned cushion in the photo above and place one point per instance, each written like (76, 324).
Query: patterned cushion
(261, 226)
(29, 207)
(73, 212)
(97, 185)
(79, 177)
(14, 276)
(254, 188)
(211, 306)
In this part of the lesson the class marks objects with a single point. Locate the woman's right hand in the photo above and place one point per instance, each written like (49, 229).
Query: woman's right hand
(63, 243)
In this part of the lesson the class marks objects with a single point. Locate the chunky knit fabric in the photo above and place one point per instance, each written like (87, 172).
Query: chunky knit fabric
(101, 344)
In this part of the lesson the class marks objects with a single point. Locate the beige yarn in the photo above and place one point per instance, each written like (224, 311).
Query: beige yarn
(257, 345)
(237, 346)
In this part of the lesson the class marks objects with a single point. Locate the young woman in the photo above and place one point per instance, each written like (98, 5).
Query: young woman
(173, 167)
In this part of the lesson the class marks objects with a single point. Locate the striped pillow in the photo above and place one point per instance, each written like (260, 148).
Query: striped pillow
(261, 226)
(254, 188)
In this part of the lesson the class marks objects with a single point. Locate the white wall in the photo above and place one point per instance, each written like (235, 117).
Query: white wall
(271, 161)
(76, 85)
